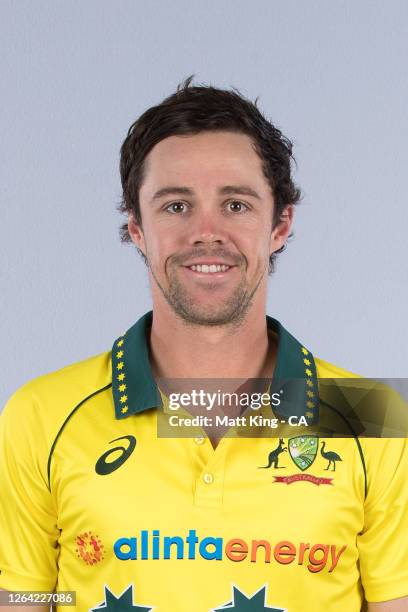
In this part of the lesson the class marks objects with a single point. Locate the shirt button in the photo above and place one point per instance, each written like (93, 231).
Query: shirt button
(208, 478)
(199, 440)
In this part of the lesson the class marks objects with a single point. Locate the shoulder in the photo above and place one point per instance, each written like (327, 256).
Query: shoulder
(383, 412)
(44, 402)
(376, 401)
(325, 369)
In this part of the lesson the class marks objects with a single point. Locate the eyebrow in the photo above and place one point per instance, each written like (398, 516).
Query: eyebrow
(226, 190)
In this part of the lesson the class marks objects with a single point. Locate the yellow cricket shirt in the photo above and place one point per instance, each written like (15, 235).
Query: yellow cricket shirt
(92, 500)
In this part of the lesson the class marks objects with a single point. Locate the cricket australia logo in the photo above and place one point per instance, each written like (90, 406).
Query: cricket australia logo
(303, 451)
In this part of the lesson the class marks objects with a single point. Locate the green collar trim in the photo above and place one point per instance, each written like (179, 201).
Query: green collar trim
(295, 376)
(134, 388)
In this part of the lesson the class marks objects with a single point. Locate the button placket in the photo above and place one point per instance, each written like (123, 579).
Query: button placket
(209, 484)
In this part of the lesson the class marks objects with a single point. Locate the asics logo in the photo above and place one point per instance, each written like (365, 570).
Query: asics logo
(103, 466)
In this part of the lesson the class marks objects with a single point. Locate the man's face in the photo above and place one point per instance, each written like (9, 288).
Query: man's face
(206, 230)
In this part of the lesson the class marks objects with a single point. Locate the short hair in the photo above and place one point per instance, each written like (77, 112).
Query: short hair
(203, 108)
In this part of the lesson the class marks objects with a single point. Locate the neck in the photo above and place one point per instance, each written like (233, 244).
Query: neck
(181, 350)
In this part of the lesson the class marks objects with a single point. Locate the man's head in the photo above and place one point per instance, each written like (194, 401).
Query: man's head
(207, 182)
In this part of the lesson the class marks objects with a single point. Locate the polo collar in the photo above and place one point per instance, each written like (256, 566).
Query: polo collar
(134, 388)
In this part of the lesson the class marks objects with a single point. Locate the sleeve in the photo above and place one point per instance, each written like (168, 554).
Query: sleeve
(28, 520)
(383, 543)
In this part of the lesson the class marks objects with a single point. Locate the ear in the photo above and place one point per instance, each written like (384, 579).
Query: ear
(282, 229)
(136, 233)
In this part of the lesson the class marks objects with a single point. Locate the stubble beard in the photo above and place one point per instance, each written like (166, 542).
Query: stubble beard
(230, 311)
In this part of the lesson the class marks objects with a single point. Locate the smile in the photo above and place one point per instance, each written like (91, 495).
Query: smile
(209, 268)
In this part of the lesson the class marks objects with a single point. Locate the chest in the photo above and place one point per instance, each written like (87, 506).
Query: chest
(121, 480)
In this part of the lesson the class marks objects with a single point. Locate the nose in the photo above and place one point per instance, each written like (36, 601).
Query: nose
(207, 229)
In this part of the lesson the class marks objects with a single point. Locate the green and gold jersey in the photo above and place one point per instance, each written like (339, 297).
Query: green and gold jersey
(94, 501)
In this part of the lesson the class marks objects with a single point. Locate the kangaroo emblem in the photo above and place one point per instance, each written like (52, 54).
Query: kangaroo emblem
(273, 457)
(330, 456)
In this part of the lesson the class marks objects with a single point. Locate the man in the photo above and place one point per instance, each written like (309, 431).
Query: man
(95, 501)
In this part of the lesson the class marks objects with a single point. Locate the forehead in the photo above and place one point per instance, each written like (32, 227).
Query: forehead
(207, 155)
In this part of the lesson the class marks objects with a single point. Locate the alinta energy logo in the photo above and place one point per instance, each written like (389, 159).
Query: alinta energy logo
(303, 451)
(89, 548)
(152, 545)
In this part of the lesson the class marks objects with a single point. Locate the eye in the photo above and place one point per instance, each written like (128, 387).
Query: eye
(237, 206)
(176, 208)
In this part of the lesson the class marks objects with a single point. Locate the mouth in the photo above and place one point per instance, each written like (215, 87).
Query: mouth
(209, 271)
(209, 268)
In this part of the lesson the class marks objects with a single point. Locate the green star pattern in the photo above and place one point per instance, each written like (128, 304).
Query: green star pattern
(122, 603)
(254, 603)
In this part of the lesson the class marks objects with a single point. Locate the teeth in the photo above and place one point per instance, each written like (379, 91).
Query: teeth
(209, 269)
